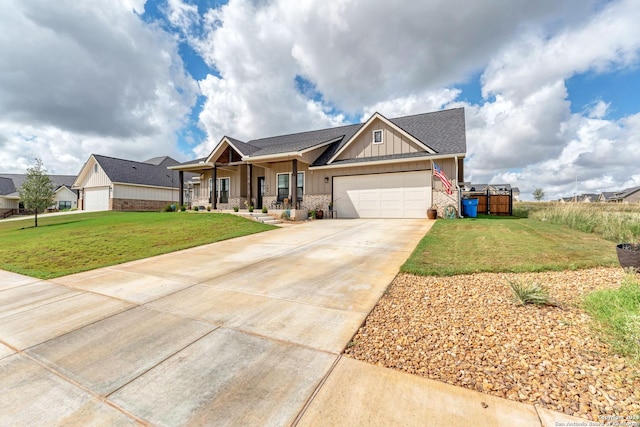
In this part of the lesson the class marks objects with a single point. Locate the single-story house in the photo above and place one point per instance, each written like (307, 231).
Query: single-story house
(382, 168)
(628, 195)
(107, 183)
(64, 197)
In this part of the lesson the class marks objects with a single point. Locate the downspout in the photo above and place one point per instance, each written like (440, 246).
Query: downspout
(458, 188)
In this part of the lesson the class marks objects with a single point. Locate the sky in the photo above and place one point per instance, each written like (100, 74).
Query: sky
(550, 88)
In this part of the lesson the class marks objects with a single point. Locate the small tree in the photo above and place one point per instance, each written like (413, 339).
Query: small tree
(36, 192)
(538, 194)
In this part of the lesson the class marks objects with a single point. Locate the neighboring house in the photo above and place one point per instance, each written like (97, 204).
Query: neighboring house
(515, 191)
(607, 196)
(9, 197)
(64, 196)
(588, 198)
(378, 169)
(628, 195)
(107, 183)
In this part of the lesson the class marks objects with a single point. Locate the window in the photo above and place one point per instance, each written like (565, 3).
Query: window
(95, 168)
(377, 137)
(283, 186)
(62, 205)
(300, 186)
(223, 190)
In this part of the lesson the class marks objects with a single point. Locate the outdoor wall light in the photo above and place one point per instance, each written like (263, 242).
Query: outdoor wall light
(326, 179)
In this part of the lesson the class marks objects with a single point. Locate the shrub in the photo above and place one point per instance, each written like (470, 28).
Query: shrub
(167, 208)
(250, 208)
(264, 210)
(285, 215)
(183, 208)
(208, 208)
(236, 208)
(532, 293)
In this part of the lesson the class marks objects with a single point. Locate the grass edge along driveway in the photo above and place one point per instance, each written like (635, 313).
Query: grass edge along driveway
(68, 244)
(506, 244)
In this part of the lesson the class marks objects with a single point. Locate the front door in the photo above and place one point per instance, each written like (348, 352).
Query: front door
(260, 192)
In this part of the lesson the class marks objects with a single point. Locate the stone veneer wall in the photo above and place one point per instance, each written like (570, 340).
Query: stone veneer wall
(138, 205)
(441, 200)
(309, 201)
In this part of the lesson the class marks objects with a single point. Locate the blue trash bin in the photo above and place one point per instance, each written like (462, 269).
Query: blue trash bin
(470, 208)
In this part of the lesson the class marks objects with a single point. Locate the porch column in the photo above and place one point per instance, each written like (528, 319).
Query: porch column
(181, 196)
(249, 192)
(294, 184)
(214, 184)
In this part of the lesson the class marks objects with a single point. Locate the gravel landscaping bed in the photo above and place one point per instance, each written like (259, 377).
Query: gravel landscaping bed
(467, 331)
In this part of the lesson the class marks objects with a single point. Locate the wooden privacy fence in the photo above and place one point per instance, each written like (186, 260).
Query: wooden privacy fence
(494, 202)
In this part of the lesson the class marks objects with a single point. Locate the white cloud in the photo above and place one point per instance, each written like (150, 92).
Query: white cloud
(526, 134)
(87, 76)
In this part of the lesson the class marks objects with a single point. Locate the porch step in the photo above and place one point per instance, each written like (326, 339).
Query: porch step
(264, 218)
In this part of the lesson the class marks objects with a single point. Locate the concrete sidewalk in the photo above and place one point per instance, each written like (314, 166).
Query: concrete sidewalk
(243, 332)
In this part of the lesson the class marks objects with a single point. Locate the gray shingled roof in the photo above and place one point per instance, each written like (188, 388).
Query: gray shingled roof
(301, 141)
(6, 186)
(141, 173)
(245, 149)
(56, 180)
(162, 161)
(442, 131)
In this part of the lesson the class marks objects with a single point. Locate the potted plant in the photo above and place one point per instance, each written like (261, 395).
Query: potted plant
(629, 255)
(319, 212)
(432, 212)
(236, 208)
(264, 210)
(250, 208)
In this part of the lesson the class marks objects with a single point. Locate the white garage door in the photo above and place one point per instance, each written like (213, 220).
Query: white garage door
(96, 199)
(387, 195)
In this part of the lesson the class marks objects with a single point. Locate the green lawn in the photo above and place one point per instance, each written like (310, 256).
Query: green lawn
(66, 244)
(506, 244)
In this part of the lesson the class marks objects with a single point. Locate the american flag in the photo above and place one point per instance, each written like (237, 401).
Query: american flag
(438, 172)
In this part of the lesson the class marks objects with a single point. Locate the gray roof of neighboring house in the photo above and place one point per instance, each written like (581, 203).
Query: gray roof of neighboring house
(628, 191)
(6, 186)
(162, 161)
(590, 196)
(141, 173)
(442, 131)
(56, 180)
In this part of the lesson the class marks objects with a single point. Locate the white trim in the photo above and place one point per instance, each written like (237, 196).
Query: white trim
(283, 156)
(373, 136)
(383, 162)
(388, 123)
(191, 166)
(138, 185)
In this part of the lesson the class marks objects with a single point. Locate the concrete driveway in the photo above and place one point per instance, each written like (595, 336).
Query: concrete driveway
(239, 332)
(243, 332)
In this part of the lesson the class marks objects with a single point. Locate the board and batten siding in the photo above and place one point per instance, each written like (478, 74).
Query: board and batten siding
(393, 143)
(96, 179)
(8, 203)
(124, 191)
